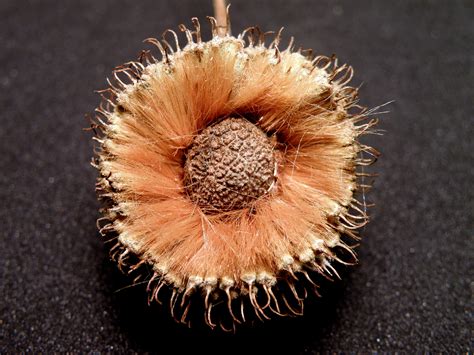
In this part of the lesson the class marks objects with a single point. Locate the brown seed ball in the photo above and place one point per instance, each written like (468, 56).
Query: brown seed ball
(229, 165)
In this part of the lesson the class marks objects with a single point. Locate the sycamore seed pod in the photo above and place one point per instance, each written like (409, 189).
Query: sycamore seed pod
(229, 168)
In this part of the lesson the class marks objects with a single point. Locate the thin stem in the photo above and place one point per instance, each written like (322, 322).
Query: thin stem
(220, 13)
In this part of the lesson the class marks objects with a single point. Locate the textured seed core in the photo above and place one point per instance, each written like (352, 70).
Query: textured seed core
(229, 165)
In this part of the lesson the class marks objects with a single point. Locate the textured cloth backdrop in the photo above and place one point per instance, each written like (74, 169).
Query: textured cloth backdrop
(411, 291)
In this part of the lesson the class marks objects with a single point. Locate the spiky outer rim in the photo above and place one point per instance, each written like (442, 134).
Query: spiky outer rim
(264, 294)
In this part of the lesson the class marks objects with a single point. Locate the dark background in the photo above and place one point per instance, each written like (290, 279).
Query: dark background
(411, 291)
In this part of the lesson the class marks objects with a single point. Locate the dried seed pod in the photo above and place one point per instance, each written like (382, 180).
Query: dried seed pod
(230, 168)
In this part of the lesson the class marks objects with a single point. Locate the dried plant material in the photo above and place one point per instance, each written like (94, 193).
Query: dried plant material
(229, 167)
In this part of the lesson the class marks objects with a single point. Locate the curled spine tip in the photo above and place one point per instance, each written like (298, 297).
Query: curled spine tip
(214, 27)
(322, 62)
(277, 38)
(187, 33)
(161, 48)
(261, 36)
(275, 44)
(175, 38)
(197, 29)
(132, 77)
(145, 57)
(291, 42)
(249, 37)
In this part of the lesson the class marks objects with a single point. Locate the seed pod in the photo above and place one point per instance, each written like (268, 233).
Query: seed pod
(229, 168)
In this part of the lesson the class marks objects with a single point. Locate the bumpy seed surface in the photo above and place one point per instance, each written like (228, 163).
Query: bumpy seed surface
(229, 165)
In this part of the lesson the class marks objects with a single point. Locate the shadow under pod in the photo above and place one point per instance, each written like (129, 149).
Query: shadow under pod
(151, 328)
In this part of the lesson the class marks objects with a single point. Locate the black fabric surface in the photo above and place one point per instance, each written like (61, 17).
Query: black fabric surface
(411, 291)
